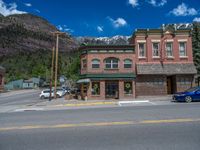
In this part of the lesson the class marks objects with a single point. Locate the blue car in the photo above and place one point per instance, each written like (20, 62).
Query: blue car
(192, 94)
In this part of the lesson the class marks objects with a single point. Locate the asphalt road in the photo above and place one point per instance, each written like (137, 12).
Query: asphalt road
(163, 127)
(24, 97)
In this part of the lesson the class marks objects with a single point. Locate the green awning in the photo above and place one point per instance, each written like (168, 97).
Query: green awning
(127, 76)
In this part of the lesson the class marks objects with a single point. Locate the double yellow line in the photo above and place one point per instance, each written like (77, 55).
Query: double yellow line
(96, 124)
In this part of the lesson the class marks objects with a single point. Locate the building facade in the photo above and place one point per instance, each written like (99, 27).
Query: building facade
(2, 75)
(107, 72)
(164, 61)
(157, 62)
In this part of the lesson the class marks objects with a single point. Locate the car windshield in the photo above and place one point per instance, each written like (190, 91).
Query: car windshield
(192, 89)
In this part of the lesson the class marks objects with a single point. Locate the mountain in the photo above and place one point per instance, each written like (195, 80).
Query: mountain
(30, 33)
(115, 40)
(178, 26)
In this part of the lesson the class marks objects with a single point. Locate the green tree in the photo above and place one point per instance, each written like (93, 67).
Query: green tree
(196, 45)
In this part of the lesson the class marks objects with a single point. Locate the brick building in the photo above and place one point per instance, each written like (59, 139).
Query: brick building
(164, 61)
(107, 72)
(2, 74)
(158, 62)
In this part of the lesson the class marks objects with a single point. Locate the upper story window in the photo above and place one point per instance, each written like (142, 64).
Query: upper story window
(182, 49)
(84, 64)
(169, 50)
(95, 63)
(111, 63)
(142, 50)
(155, 48)
(127, 63)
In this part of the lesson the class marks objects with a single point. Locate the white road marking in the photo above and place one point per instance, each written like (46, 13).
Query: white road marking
(29, 109)
(120, 103)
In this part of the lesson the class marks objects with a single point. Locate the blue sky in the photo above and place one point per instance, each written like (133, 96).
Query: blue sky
(106, 17)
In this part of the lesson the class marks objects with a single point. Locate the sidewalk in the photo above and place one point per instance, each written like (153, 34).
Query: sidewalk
(61, 102)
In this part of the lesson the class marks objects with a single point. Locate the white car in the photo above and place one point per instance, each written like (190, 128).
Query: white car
(46, 93)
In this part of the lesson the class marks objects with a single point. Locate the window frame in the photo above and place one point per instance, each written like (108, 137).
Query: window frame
(185, 50)
(130, 63)
(95, 63)
(131, 88)
(84, 64)
(172, 54)
(111, 63)
(98, 91)
(140, 56)
(153, 50)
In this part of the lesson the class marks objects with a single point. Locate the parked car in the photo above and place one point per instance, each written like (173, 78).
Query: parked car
(192, 94)
(66, 89)
(46, 93)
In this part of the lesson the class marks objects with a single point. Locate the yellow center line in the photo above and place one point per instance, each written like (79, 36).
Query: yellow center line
(93, 124)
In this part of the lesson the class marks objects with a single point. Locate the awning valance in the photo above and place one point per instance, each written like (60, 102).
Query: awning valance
(83, 81)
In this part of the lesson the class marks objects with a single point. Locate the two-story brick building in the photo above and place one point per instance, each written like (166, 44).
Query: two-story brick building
(157, 62)
(2, 74)
(108, 72)
(164, 61)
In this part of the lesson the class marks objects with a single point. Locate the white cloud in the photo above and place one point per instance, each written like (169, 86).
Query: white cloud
(99, 28)
(196, 19)
(157, 3)
(38, 11)
(133, 3)
(64, 28)
(28, 4)
(183, 10)
(119, 22)
(9, 9)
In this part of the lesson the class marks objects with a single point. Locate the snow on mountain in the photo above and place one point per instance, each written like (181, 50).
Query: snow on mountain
(117, 40)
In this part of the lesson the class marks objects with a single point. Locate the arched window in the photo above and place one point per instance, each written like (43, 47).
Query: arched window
(111, 63)
(95, 63)
(127, 63)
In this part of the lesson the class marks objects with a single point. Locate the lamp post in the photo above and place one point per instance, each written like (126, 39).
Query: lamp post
(57, 33)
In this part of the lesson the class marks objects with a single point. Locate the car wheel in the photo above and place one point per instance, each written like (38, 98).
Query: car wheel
(188, 99)
(57, 95)
(42, 97)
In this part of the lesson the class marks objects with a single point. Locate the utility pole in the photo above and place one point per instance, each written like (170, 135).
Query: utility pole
(56, 63)
(52, 68)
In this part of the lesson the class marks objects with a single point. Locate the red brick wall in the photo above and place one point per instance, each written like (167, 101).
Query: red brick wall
(145, 85)
(101, 57)
(176, 58)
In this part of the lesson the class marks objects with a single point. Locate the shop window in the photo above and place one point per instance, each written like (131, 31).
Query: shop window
(95, 63)
(111, 63)
(184, 81)
(95, 88)
(128, 88)
(127, 63)
(142, 52)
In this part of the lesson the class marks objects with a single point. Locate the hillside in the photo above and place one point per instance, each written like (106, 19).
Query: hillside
(26, 43)
(29, 33)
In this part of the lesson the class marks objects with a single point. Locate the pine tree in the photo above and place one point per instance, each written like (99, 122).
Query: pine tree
(196, 45)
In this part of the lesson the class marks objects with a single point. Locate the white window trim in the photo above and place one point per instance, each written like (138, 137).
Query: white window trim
(139, 50)
(158, 50)
(182, 40)
(185, 49)
(155, 41)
